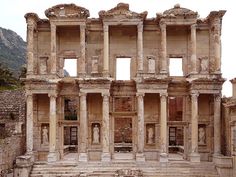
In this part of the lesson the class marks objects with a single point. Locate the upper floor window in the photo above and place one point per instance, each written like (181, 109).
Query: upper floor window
(123, 68)
(70, 67)
(176, 66)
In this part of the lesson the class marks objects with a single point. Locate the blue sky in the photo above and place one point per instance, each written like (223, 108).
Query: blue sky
(13, 11)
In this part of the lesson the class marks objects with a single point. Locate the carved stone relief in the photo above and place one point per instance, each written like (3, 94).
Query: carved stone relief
(94, 64)
(129, 172)
(150, 134)
(204, 63)
(43, 65)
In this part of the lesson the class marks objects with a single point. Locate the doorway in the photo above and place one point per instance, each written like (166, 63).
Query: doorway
(70, 139)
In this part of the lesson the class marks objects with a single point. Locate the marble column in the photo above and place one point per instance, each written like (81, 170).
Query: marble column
(140, 143)
(29, 123)
(217, 127)
(53, 60)
(106, 50)
(83, 156)
(30, 48)
(106, 156)
(163, 48)
(193, 49)
(194, 156)
(140, 47)
(53, 155)
(81, 63)
(217, 45)
(163, 133)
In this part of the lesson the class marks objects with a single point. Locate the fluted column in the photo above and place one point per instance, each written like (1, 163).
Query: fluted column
(194, 156)
(163, 133)
(83, 156)
(81, 62)
(106, 156)
(193, 49)
(30, 47)
(29, 123)
(53, 49)
(217, 127)
(140, 156)
(163, 48)
(140, 47)
(53, 155)
(106, 50)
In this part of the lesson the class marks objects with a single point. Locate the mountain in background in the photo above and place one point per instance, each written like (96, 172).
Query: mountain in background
(12, 51)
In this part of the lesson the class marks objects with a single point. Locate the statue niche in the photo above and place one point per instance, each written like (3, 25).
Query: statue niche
(95, 133)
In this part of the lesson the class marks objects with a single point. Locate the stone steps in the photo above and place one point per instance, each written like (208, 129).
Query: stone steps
(149, 169)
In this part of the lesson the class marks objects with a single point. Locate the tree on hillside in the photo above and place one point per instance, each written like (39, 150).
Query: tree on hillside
(6, 77)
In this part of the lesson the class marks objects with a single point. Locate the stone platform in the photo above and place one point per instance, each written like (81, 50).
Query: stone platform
(124, 169)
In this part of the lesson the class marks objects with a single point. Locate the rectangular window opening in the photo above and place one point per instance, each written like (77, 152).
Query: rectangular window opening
(70, 67)
(123, 68)
(176, 66)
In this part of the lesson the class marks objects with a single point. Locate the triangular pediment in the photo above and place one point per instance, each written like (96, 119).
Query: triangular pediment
(121, 11)
(67, 11)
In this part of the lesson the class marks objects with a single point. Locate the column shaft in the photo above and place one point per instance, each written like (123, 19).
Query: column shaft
(140, 122)
(81, 62)
(193, 49)
(217, 45)
(105, 129)
(217, 127)
(194, 157)
(30, 49)
(83, 128)
(53, 49)
(163, 48)
(52, 124)
(29, 124)
(106, 49)
(163, 121)
(140, 47)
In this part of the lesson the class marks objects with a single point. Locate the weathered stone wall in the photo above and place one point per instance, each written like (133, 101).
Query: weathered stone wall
(12, 120)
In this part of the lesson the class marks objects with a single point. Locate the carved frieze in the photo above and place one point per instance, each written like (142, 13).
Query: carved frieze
(129, 172)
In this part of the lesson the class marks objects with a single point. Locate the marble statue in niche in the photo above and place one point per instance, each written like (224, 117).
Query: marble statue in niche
(150, 133)
(201, 136)
(45, 135)
(96, 133)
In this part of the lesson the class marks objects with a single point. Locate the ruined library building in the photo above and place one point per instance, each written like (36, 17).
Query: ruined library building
(126, 95)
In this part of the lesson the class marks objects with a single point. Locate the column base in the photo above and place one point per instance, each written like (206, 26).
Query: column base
(194, 157)
(53, 157)
(140, 157)
(83, 157)
(106, 157)
(163, 157)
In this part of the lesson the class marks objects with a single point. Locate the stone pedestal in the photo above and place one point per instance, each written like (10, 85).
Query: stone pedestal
(194, 157)
(106, 157)
(140, 157)
(83, 157)
(163, 157)
(23, 166)
(53, 157)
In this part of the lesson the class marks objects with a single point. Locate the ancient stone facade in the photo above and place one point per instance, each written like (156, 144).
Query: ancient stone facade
(12, 127)
(97, 117)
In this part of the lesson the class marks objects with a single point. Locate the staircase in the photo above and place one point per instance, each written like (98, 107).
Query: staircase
(130, 169)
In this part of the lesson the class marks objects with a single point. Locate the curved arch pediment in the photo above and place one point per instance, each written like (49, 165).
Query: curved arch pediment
(180, 11)
(67, 11)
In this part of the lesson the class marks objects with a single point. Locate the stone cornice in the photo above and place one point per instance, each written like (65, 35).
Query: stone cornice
(31, 18)
(121, 11)
(67, 11)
